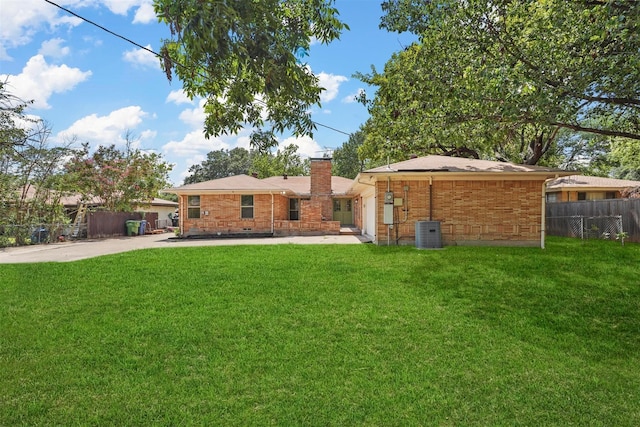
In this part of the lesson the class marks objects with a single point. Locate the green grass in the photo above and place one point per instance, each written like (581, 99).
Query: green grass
(325, 335)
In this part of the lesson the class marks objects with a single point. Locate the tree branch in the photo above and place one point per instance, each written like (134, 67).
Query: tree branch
(598, 131)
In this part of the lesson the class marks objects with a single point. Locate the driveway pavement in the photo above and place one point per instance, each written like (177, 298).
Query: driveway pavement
(81, 249)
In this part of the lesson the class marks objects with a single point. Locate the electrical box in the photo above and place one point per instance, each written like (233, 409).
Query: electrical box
(388, 214)
(398, 201)
(388, 197)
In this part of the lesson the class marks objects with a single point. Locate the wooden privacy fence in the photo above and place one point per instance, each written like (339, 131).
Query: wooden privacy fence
(598, 214)
(108, 224)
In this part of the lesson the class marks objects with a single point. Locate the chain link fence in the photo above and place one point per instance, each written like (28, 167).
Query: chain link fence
(20, 235)
(585, 227)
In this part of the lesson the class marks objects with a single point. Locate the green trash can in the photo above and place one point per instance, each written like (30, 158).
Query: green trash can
(132, 227)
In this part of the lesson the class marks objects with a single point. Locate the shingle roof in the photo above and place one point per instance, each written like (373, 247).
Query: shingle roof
(457, 164)
(301, 185)
(231, 183)
(581, 181)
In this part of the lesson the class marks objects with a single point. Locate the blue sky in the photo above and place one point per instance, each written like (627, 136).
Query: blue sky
(93, 87)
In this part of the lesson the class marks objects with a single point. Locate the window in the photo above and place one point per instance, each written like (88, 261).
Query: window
(246, 207)
(610, 195)
(294, 209)
(582, 195)
(193, 207)
(552, 197)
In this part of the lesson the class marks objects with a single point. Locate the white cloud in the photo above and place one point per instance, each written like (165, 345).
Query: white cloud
(194, 117)
(194, 144)
(145, 14)
(142, 58)
(148, 134)
(179, 97)
(107, 130)
(307, 147)
(121, 7)
(353, 97)
(21, 19)
(331, 84)
(53, 48)
(39, 80)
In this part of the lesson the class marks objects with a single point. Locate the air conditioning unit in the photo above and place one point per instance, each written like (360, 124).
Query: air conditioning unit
(428, 235)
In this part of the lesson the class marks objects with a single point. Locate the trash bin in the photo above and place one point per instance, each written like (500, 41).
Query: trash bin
(143, 226)
(132, 227)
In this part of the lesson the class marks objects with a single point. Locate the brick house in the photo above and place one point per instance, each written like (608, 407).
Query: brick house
(578, 187)
(475, 202)
(274, 206)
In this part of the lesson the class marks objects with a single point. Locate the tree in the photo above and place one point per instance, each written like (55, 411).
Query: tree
(11, 111)
(220, 164)
(626, 154)
(31, 183)
(30, 172)
(224, 163)
(346, 160)
(120, 179)
(284, 162)
(244, 58)
(587, 153)
(501, 79)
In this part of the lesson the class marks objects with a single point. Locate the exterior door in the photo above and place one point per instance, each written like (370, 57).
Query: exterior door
(343, 211)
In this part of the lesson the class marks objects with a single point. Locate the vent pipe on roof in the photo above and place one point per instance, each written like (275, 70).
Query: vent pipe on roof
(284, 176)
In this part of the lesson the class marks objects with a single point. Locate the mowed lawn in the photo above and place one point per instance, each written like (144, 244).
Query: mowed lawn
(325, 335)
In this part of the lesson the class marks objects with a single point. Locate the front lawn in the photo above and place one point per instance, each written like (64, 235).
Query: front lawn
(325, 335)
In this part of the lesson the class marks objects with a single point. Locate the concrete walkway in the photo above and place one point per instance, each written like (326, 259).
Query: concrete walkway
(82, 249)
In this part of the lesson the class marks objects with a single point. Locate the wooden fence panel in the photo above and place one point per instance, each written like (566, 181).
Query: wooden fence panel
(109, 224)
(629, 209)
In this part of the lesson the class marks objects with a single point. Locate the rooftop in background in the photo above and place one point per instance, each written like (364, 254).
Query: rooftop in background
(590, 182)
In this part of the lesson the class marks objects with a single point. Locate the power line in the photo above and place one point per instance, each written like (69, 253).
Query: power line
(128, 40)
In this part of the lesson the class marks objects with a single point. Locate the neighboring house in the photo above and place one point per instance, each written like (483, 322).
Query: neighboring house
(279, 206)
(474, 202)
(579, 187)
(164, 208)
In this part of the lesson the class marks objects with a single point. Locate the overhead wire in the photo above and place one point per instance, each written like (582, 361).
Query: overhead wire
(128, 40)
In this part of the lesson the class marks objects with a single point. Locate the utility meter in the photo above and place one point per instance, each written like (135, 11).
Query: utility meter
(387, 217)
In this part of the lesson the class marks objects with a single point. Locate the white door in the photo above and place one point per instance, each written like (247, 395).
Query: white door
(370, 216)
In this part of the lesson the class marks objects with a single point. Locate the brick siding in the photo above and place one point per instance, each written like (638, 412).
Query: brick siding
(469, 211)
(224, 211)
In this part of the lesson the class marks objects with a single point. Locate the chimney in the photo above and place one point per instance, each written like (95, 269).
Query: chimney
(321, 184)
(320, 176)
(284, 176)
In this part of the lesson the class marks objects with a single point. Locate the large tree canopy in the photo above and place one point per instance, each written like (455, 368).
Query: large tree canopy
(502, 78)
(121, 179)
(346, 159)
(244, 58)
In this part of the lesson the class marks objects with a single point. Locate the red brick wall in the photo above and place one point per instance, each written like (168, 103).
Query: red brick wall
(224, 211)
(321, 186)
(224, 215)
(469, 211)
